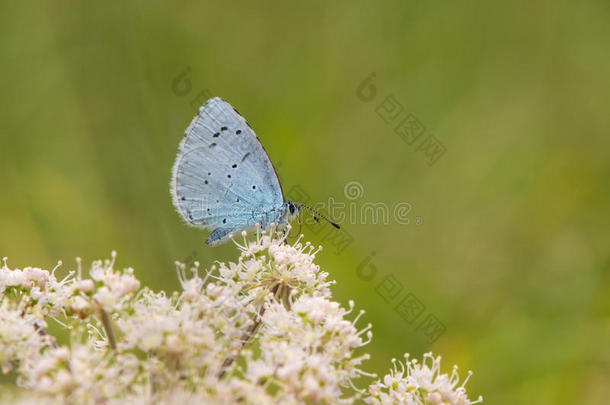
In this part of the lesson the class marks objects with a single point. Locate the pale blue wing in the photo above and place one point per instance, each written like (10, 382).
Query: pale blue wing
(222, 176)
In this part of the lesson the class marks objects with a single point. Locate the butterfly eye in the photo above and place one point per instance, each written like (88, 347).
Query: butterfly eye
(291, 208)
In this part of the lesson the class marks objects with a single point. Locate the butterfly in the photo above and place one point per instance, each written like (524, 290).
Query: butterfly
(223, 179)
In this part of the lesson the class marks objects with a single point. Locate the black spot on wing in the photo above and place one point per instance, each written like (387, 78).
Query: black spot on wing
(245, 156)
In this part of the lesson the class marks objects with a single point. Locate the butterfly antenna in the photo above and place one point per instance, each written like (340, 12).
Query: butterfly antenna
(316, 216)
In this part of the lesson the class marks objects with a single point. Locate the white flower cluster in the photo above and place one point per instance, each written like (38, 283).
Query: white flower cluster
(19, 335)
(263, 330)
(420, 384)
(307, 348)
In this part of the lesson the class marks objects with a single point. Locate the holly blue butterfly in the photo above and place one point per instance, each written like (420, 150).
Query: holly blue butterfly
(223, 179)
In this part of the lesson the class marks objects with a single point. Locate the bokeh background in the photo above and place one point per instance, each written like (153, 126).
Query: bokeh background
(507, 243)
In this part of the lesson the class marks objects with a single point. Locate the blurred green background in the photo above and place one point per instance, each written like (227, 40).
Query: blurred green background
(507, 244)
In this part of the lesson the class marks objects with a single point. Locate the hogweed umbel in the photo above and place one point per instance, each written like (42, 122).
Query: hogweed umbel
(261, 330)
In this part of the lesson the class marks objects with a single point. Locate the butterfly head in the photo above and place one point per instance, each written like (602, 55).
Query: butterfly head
(293, 209)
